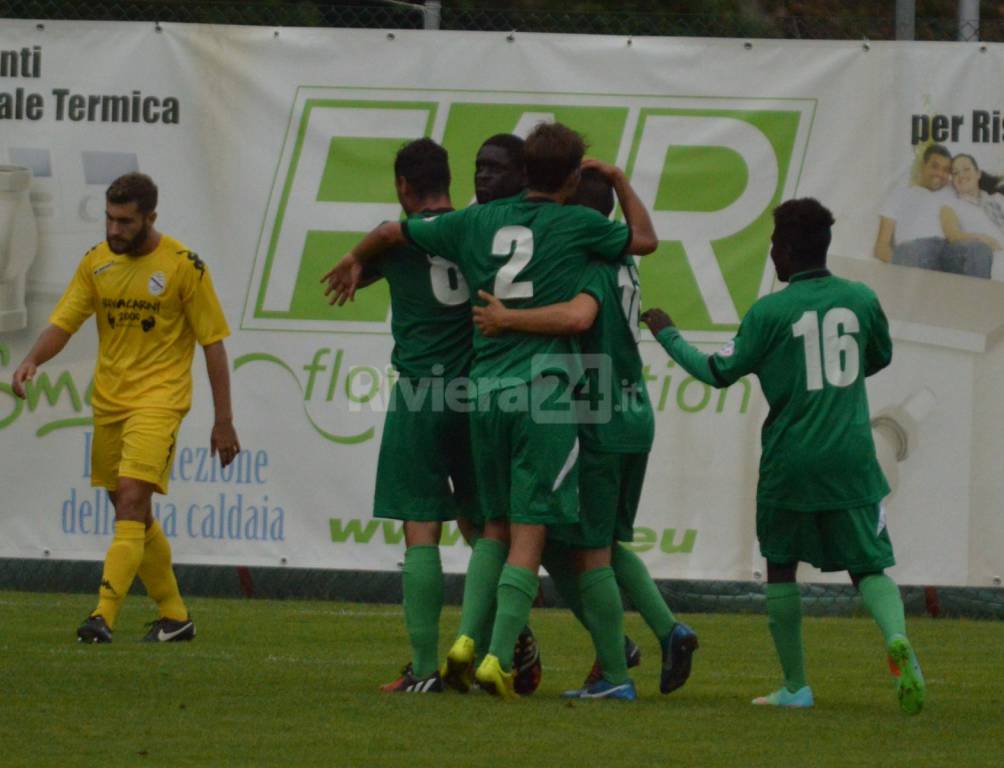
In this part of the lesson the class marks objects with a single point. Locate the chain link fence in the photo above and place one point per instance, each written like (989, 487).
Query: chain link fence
(385, 16)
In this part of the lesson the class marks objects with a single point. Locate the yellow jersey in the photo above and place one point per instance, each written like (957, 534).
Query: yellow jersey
(150, 312)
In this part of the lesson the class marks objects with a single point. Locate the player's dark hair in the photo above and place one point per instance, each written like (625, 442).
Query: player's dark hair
(937, 149)
(511, 144)
(804, 225)
(553, 152)
(133, 188)
(425, 166)
(594, 191)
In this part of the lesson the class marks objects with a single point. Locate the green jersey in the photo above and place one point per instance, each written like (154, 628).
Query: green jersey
(430, 312)
(811, 345)
(527, 252)
(613, 339)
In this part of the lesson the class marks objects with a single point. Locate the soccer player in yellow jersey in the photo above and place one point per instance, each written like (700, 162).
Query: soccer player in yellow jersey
(153, 299)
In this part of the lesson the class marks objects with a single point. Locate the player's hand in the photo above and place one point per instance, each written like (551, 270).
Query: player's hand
(24, 373)
(656, 320)
(490, 319)
(343, 279)
(609, 171)
(223, 441)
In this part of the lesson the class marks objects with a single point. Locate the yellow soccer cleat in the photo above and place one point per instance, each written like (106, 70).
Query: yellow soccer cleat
(491, 677)
(458, 671)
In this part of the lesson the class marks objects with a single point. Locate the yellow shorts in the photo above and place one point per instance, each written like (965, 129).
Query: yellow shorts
(140, 446)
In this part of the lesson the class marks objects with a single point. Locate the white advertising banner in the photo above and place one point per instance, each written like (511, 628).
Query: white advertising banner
(273, 152)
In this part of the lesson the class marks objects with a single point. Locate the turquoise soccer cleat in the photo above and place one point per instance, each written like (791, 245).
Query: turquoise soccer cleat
(782, 697)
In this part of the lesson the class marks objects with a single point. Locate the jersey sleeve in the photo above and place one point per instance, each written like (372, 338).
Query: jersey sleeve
(878, 347)
(77, 301)
(743, 354)
(726, 366)
(200, 302)
(604, 239)
(593, 282)
(442, 235)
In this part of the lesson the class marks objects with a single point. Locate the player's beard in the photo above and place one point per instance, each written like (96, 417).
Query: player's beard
(121, 245)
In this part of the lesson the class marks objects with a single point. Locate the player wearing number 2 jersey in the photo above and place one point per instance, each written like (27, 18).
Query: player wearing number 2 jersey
(818, 498)
(529, 249)
(616, 435)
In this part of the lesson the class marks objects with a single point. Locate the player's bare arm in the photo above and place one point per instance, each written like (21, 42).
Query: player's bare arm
(643, 238)
(223, 438)
(344, 278)
(567, 318)
(49, 343)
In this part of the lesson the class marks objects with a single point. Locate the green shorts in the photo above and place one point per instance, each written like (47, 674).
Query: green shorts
(854, 540)
(525, 466)
(609, 491)
(424, 472)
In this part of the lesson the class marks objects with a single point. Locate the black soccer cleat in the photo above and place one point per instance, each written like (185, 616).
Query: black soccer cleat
(408, 683)
(170, 631)
(94, 630)
(632, 655)
(677, 655)
(526, 667)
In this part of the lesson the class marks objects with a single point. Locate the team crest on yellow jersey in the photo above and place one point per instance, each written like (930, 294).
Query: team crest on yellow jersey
(156, 283)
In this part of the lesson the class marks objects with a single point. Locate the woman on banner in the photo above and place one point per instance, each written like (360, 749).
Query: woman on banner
(976, 214)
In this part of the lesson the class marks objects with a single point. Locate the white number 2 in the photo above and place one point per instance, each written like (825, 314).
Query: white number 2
(516, 244)
(838, 358)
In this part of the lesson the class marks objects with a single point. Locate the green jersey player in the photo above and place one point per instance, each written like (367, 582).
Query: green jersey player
(530, 249)
(424, 474)
(820, 489)
(616, 437)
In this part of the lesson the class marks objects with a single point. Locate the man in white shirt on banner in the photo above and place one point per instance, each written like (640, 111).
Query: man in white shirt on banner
(910, 231)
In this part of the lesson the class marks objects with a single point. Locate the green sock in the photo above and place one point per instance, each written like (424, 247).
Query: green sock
(784, 617)
(422, 581)
(633, 577)
(557, 560)
(604, 613)
(516, 592)
(881, 597)
(480, 585)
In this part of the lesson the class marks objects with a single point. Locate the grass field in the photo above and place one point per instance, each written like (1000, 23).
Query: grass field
(295, 684)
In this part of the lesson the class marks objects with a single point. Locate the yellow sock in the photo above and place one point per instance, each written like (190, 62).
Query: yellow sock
(121, 563)
(157, 575)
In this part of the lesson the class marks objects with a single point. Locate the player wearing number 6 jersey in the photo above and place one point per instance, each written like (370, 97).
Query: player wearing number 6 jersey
(424, 473)
(820, 489)
(531, 250)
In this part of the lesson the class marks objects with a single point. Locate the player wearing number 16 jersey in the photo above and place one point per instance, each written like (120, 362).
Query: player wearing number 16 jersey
(820, 489)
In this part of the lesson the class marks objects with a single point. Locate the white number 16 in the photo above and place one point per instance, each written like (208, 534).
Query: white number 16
(839, 357)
